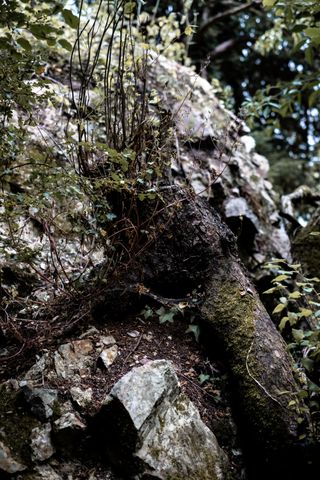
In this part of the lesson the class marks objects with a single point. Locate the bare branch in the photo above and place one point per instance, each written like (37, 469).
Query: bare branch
(227, 13)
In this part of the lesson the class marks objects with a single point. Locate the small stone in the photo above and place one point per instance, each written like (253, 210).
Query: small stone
(68, 430)
(37, 371)
(108, 356)
(81, 397)
(148, 336)
(88, 333)
(41, 445)
(46, 472)
(7, 462)
(73, 359)
(69, 421)
(109, 340)
(133, 334)
(41, 401)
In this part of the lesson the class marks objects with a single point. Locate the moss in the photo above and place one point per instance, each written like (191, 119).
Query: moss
(237, 319)
(56, 410)
(16, 424)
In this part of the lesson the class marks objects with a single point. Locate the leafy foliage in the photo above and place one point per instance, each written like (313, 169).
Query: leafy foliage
(298, 307)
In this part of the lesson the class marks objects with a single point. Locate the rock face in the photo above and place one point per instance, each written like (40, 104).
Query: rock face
(217, 157)
(169, 439)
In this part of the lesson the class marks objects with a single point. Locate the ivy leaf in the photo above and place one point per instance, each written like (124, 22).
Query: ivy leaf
(280, 278)
(165, 315)
(24, 43)
(295, 295)
(298, 335)
(269, 3)
(283, 323)
(70, 18)
(308, 364)
(65, 44)
(203, 378)
(314, 34)
(195, 329)
(129, 8)
(305, 312)
(279, 308)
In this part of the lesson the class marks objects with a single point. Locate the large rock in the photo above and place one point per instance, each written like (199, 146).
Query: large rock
(150, 426)
(217, 157)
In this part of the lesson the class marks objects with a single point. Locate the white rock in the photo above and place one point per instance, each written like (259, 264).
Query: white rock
(7, 461)
(41, 446)
(81, 397)
(108, 356)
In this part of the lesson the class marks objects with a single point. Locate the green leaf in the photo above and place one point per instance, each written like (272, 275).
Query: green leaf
(298, 335)
(203, 378)
(305, 312)
(166, 315)
(24, 43)
(41, 31)
(279, 308)
(283, 323)
(295, 295)
(308, 364)
(269, 3)
(314, 34)
(313, 97)
(70, 18)
(271, 290)
(195, 329)
(280, 278)
(129, 8)
(65, 44)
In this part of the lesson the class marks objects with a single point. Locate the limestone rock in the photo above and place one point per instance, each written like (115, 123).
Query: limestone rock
(41, 472)
(141, 389)
(41, 401)
(217, 155)
(162, 435)
(81, 397)
(74, 359)
(180, 446)
(68, 429)
(8, 463)
(108, 356)
(41, 445)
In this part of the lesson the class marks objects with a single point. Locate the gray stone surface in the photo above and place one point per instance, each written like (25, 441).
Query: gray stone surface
(180, 446)
(74, 359)
(41, 445)
(41, 401)
(8, 462)
(172, 441)
(108, 356)
(141, 389)
(82, 397)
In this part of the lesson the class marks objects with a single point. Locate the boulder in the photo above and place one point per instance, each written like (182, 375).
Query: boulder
(217, 157)
(150, 427)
